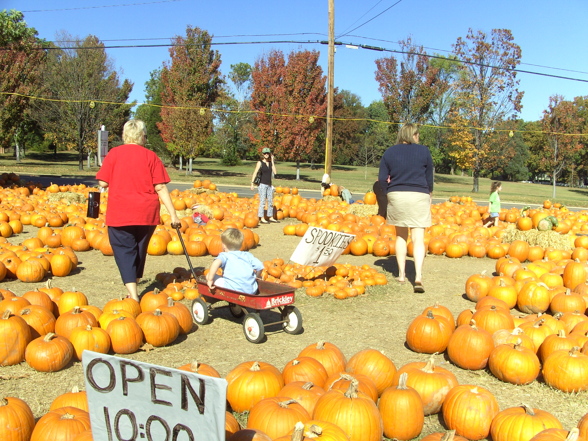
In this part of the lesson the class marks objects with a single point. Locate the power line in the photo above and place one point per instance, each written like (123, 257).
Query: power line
(100, 7)
(364, 14)
(373, 18)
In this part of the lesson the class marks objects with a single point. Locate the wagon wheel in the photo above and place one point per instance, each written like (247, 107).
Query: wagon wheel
(236, 310)
(292, 320)
(200, 311)
(253, 328)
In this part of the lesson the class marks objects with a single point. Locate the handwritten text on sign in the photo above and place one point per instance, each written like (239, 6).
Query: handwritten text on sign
(131, 400)
(320, 247)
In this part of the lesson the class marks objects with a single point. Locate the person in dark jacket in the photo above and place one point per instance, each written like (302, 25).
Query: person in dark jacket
(406, 174)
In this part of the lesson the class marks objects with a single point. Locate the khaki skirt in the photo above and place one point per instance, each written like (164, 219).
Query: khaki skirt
(409, 209)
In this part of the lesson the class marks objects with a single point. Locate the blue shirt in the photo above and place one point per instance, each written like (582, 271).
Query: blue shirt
(409, 168)
(239, 270)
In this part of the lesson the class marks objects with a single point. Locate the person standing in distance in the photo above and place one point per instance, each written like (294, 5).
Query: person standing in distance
(265, 188)
(136, 180)
(406, 175)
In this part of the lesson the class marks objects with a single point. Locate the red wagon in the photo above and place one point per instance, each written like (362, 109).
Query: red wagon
(271, 296)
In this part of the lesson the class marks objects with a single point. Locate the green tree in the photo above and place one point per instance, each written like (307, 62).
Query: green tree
(290, 101)
(21, 56)
(349, 127)
(378, 136)
(191, 84)
(487, 93)
(84, 92)
(150, 113)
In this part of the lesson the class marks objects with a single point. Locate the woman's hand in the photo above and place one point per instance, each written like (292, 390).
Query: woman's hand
(252, 187)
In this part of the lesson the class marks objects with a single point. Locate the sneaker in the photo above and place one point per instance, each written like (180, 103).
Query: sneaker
(273, 220)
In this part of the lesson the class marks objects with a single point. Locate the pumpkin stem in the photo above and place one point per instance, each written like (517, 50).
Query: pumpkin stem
(308, 385)
(430, 366)
(67, 416)
(88, 327)
(75, 390)
(352, 391)
(3, 402)
(528, 409)
(6, 315)
(320, 344)
(298, 434)
(574, 435)
(50, 336)
(449, 435)
(157, 312)
(255, 367)
(314, 431)
(295, 362)
(285, 404)
(402, 381)
(473, 324)
(430, 314)
(194, 366)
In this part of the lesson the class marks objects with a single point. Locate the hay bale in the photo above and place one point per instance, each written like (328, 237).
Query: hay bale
(363, 210)
(534, 237)
(69, 197)
(200, 190)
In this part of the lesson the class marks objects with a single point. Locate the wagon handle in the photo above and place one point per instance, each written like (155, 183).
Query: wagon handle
(186, 253)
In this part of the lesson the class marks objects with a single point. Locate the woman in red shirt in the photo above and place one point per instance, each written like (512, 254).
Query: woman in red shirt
(136, 180)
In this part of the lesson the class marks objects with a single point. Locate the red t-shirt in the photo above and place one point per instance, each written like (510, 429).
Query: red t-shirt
(132, 171)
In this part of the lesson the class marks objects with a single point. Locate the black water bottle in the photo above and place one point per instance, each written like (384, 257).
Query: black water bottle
(93, 204)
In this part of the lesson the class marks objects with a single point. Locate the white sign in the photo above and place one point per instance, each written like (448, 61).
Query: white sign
(131, 400)
(102, 144)
(320, 247)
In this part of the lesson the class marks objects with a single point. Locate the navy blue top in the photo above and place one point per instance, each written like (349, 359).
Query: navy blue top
(410, 168)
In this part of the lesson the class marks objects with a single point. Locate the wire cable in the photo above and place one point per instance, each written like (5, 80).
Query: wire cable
(100, 7)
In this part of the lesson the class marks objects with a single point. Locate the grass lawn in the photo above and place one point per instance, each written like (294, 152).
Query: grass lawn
(357, 179)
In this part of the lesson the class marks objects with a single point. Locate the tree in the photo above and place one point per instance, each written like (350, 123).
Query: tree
(150, 113)
(487, 93)
(561, 126)
(290, 101)
(21, 55)
(349, 127)
(83, 92)
(235, 123)
(409, 86)
(191, 84)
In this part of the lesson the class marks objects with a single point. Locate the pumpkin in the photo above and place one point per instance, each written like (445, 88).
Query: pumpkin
(566, 370)
(505, 292)
(17, 420)
(68, 321)
(75, 398)
(506, 336)
(428, 333)
(61, 424)
(70, 299)
(159, 328)
(49, 353)
(153, 300)
(430, 381)
(342, 380)
(305, 369)
(89, 338)
(15, 335)
(106, 317)
(13, 304)
(305, 393)
(375, 365)
(556, 342)
(537, 331)
(469, 410)
(519, 249)
(30, 272)
(329, 355)
(200, 368)
(250, 382)
(514, 364)
(39, 298)
(557, 435)
(181, 313)
(469, 347)
(521, 423)
(477, 286)
(493, 319)
(583, 426)
(126, 335)
(574, 274)
(352, 411)
(533, 297)
(444, 436)
(402, 411)
(40, 320)
(276, 416)
(568, 301)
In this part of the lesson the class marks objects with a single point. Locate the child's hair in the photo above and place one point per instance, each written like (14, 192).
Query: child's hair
(494, 186)
(232, 238)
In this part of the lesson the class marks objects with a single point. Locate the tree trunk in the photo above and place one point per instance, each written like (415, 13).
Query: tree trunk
(298, 169)
(181, 160)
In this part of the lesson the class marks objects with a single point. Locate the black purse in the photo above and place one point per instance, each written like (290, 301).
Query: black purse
(257, 179)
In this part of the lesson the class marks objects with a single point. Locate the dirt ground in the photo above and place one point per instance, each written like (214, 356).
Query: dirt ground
(376, 320)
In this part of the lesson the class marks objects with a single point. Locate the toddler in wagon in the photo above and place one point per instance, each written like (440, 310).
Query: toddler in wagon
(240, 268)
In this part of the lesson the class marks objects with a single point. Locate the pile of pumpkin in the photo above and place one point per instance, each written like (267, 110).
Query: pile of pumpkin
(322, 395)
(516, 349)
(48, 327)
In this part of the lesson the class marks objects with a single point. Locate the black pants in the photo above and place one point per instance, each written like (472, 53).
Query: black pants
(129, 244)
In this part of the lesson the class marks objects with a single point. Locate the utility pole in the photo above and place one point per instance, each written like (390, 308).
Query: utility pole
(331, 88)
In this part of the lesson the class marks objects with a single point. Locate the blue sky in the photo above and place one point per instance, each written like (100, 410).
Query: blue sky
(553, 36)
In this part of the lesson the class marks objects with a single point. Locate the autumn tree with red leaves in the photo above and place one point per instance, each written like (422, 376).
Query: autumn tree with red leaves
(191, 84)
(290, 101)
(487, 90)
(410, 85)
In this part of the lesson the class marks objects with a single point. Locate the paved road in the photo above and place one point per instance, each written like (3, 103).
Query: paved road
(242, 191)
